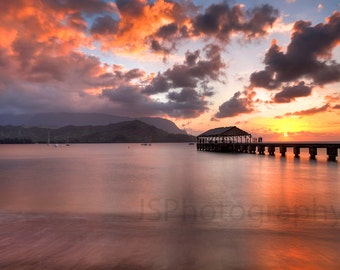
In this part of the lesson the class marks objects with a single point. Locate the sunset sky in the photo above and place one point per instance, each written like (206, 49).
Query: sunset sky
(271, 68)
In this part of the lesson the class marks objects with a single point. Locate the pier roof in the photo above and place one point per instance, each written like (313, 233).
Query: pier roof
(224, 131)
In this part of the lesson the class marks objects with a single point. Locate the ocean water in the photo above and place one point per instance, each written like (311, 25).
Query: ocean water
(166, 206)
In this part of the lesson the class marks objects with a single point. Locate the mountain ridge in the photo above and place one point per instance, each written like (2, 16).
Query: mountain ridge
(134, 131)
(61, 119)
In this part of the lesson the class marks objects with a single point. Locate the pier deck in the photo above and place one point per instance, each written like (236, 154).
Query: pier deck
(260, 147)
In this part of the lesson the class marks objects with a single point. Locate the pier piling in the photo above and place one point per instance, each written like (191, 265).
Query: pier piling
(296, 151)
(271, 150)
(260, 149)
(332, 153)
(252, 149)
(313, 151)
(283, 150)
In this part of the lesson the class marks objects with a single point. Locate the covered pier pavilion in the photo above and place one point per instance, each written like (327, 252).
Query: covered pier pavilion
(224, 139)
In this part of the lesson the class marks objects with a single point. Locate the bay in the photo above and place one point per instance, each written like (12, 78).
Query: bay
(165, 206)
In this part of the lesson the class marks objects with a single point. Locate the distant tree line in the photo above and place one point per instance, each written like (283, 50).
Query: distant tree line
(16, 141)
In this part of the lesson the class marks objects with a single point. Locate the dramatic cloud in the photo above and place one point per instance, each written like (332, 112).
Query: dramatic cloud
(75, 55)
(161, 25)
(159, 84)
(89, 7)
(104, 26)
(238, 104)
(196, 71)
(187, 103)
(265, 79)
(186, 86)
(333, 98)
(220, 21)
(311, 111)
(308, 56)
(143, 26)
(289, 93)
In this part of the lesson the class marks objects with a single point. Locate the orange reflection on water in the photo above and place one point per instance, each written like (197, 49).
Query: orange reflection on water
(299, 215)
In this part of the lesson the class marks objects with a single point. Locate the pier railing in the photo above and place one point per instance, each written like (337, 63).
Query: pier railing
(260, 147)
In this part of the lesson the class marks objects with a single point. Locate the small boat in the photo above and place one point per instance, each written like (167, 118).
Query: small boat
(191, 143)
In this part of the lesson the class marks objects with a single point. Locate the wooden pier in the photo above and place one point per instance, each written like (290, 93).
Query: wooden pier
(260, 148)
(233, 139)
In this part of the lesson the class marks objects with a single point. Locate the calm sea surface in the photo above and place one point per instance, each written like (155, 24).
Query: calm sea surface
(166, 206)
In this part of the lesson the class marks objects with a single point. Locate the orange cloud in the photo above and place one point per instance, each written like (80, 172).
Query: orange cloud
(333, 98)
(138, 22)
(311, 111)
(51, 30)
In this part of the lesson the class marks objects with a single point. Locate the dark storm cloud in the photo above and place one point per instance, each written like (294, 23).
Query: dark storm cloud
(289, 93)
(167, 31)
(104, 26)
(238, 104)
(164, 40)
(194, 69)
(259, 19)
(159, 84)
(191, 57)
(132, 8)
(307, 56)
(158, 47)
(220, 20)
(187, 103)
(125, 94)
(185, 95)
(180, 76)
(264, 78)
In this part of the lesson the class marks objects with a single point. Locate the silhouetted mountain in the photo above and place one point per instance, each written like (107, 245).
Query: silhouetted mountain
(57, 120)
(122, 132)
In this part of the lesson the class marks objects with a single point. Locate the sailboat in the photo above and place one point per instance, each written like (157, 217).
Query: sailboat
(48, 139)
(147, 141)
(67, 141)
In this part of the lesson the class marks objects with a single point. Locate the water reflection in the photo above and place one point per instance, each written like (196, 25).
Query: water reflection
(165, 207)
